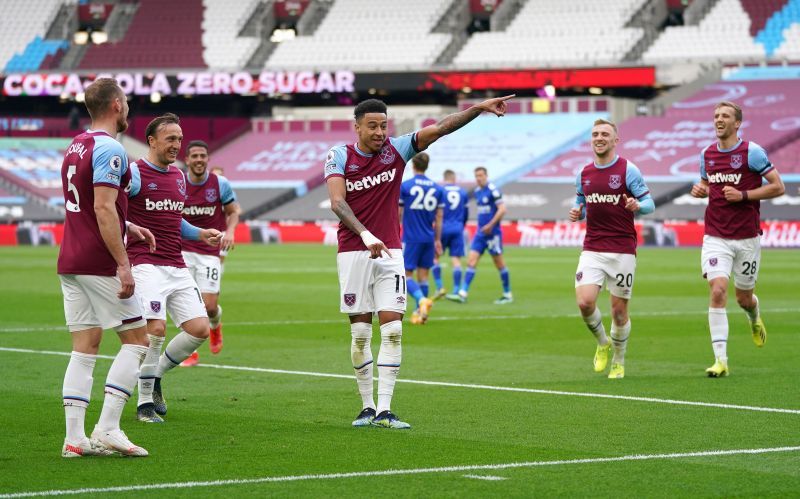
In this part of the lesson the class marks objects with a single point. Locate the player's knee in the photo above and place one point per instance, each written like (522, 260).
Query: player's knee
(362, 334)
(586, 306)
(157, 328)
(392, 332)
(719, 295)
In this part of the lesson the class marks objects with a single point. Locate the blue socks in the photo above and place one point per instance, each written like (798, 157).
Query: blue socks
(468, 277)
(437, 276)
(504, 277)
(414, 290)
(456, 278)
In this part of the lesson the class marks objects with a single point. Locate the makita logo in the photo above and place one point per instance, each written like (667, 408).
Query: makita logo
(725, 178)
(603, 198)
(200, 210)
(367, 182)
(165, 205)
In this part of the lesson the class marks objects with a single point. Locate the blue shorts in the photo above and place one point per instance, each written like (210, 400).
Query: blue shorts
(453, 243)
(494, 243)
(418, 255)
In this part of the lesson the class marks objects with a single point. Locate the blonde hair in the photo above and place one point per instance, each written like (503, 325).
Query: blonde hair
(602, 121)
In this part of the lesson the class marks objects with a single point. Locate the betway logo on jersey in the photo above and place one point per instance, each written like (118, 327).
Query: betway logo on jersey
(724, 178)
(200, 210)
(596, 197)
(367, 182)
(165, 205)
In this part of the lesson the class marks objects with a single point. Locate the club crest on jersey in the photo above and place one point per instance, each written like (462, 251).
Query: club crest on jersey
(211, 195)
(712, 262)
(736, 160)
(155, 306)
(579, 276)
(181, 185)
(387, 155)
(615, 181)
(349, 299)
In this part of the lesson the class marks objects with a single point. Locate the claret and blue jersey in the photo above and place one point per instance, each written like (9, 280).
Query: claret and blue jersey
(372, 183)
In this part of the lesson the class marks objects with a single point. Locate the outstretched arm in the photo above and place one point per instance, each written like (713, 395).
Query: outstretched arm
(453, 122)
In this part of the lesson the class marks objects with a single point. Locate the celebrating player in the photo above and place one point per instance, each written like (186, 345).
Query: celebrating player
(210, 203)
(491, 210)
(732, 225)
(455, 217)
(157, 197)
(95, 275)
(610, 191)
(421, 206)
(363, 182)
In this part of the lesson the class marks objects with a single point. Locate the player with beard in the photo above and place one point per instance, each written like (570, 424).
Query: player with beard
(363, 182)
(210, 203)
(95, 273)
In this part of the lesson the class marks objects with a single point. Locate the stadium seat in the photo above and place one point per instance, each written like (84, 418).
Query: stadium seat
(406, 41)
(723, 35)
(551, 32)
(223, 48)
(31, 19)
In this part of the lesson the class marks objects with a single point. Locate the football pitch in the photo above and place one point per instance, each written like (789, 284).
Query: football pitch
(502, 399)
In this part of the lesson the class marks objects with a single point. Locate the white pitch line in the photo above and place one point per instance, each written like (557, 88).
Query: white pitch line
(537, 391)
(411, 471)
(490, 478)
(665, 313)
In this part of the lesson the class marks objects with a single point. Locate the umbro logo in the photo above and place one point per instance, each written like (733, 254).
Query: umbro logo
(152, 186)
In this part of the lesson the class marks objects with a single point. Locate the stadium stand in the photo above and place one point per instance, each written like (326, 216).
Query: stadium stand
(31, 20)
(223, 48)
(666, 147)
(722, 35)
(34, 165)
(773, 17)
(545, 32)
(789, 49)
(161, 35)
(37, 54)
(272, 165)
(215, 131)
(346, 37)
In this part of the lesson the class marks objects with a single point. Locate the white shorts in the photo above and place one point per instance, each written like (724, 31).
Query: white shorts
(615, 270)
(371, 285)
(721, 256)
(206, 270)
(165, 289)
(91, 301)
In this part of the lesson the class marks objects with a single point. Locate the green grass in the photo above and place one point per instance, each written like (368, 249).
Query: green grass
(281, 313)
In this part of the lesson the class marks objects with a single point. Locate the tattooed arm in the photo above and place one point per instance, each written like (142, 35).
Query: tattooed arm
(453, 122)
(337, 191)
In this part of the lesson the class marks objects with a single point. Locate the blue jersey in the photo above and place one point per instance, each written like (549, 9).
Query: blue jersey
(487, 198)
(455, 209)
(420, 198)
